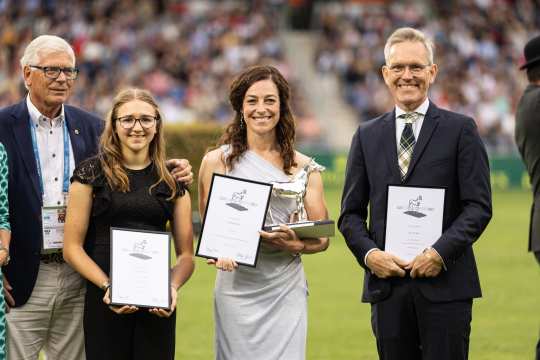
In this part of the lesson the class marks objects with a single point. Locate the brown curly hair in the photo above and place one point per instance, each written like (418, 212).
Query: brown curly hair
(235, 134)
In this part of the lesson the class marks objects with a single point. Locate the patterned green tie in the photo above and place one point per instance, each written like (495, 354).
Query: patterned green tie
(406, 143)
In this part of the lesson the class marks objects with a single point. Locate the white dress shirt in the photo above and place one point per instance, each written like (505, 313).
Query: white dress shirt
(416, 126)
(50, 144)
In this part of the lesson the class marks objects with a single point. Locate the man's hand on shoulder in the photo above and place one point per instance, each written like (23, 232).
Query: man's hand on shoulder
(181, 170)
(385, 265)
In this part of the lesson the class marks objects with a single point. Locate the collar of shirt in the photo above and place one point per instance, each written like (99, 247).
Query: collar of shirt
(422, 109)
(38, 118)
(416, 126)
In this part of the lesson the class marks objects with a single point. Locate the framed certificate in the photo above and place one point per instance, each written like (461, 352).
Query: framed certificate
(140, 268)
(235, 212)
(414, 219)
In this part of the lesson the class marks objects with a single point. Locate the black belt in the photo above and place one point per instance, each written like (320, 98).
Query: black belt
(55, 257)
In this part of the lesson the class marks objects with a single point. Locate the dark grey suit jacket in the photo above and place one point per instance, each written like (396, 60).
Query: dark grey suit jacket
(24, 192)
(528, 141)
(449, 153)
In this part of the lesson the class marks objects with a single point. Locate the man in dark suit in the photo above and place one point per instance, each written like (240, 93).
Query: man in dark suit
(528, 140)
(421, 309)
(45, 139)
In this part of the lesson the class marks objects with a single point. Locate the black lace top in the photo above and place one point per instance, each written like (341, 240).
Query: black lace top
(136, 209)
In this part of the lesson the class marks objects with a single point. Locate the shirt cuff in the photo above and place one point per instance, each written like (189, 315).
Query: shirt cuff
(440, 257)
(369, 252)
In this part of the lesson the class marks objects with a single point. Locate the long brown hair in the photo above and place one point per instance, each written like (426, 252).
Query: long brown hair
(235, 133)
(110, 150)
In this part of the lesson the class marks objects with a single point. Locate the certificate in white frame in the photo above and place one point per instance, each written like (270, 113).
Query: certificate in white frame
(140, 268)
(414, 219)
(235, 213)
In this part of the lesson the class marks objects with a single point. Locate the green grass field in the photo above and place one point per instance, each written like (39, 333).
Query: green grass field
(505, 325)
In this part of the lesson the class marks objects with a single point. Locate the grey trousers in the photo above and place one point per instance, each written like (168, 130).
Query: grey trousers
(52, 318)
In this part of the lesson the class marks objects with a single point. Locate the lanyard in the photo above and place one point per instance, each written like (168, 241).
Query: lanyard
(65, 184)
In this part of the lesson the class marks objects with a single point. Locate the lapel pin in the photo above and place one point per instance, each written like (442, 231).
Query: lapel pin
(76, 131)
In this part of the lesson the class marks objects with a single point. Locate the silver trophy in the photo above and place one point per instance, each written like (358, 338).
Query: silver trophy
(296, 189)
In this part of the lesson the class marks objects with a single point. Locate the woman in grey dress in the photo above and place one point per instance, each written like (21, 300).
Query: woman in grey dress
(261, 313)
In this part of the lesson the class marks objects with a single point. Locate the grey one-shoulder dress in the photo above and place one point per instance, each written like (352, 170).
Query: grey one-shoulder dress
(261, 313)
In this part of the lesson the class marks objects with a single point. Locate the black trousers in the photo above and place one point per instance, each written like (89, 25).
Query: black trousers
(137, 336)
(537, 255)
(407, 326)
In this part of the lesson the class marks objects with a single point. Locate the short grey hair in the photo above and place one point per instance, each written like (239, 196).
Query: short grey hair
(43, 45)
(408, 34)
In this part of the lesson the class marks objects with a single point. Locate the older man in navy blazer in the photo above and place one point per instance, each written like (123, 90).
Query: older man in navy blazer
(420, 309)
(45, 139)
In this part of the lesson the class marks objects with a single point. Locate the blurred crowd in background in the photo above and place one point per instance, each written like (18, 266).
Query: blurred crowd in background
(187, 52)
(479, 47)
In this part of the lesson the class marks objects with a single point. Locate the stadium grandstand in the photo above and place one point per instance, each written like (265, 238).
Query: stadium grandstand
(479, 48)
(186, 53)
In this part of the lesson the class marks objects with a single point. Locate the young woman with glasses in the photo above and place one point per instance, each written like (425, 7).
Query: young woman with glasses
(126, 185)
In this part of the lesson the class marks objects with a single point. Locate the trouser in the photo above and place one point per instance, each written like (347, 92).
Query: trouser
(407, 326)
(537, 255)
(52, 318)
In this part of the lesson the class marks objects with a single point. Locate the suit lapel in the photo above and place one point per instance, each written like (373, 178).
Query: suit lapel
(75, 135)
(23, 139)
(389, 144)
(431, 120)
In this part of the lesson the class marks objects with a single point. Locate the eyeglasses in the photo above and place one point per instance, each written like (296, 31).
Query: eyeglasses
(128, 121)
(53, 72)
(415, 69)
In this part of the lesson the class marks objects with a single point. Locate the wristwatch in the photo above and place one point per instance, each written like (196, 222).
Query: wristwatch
(3, 248)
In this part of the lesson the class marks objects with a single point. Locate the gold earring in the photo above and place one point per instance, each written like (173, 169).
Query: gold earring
(242, 121)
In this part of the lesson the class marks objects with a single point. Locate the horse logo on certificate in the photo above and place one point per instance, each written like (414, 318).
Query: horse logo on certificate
(414, 207)
(237, 200)
(140, 251)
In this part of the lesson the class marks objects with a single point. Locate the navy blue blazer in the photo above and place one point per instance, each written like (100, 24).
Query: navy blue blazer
(24, 193)
(449, 153)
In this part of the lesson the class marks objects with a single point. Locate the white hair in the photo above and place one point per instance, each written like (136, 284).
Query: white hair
(408, 34)
(44, 45)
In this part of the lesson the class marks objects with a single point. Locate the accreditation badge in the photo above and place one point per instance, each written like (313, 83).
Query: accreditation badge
(53, 219)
